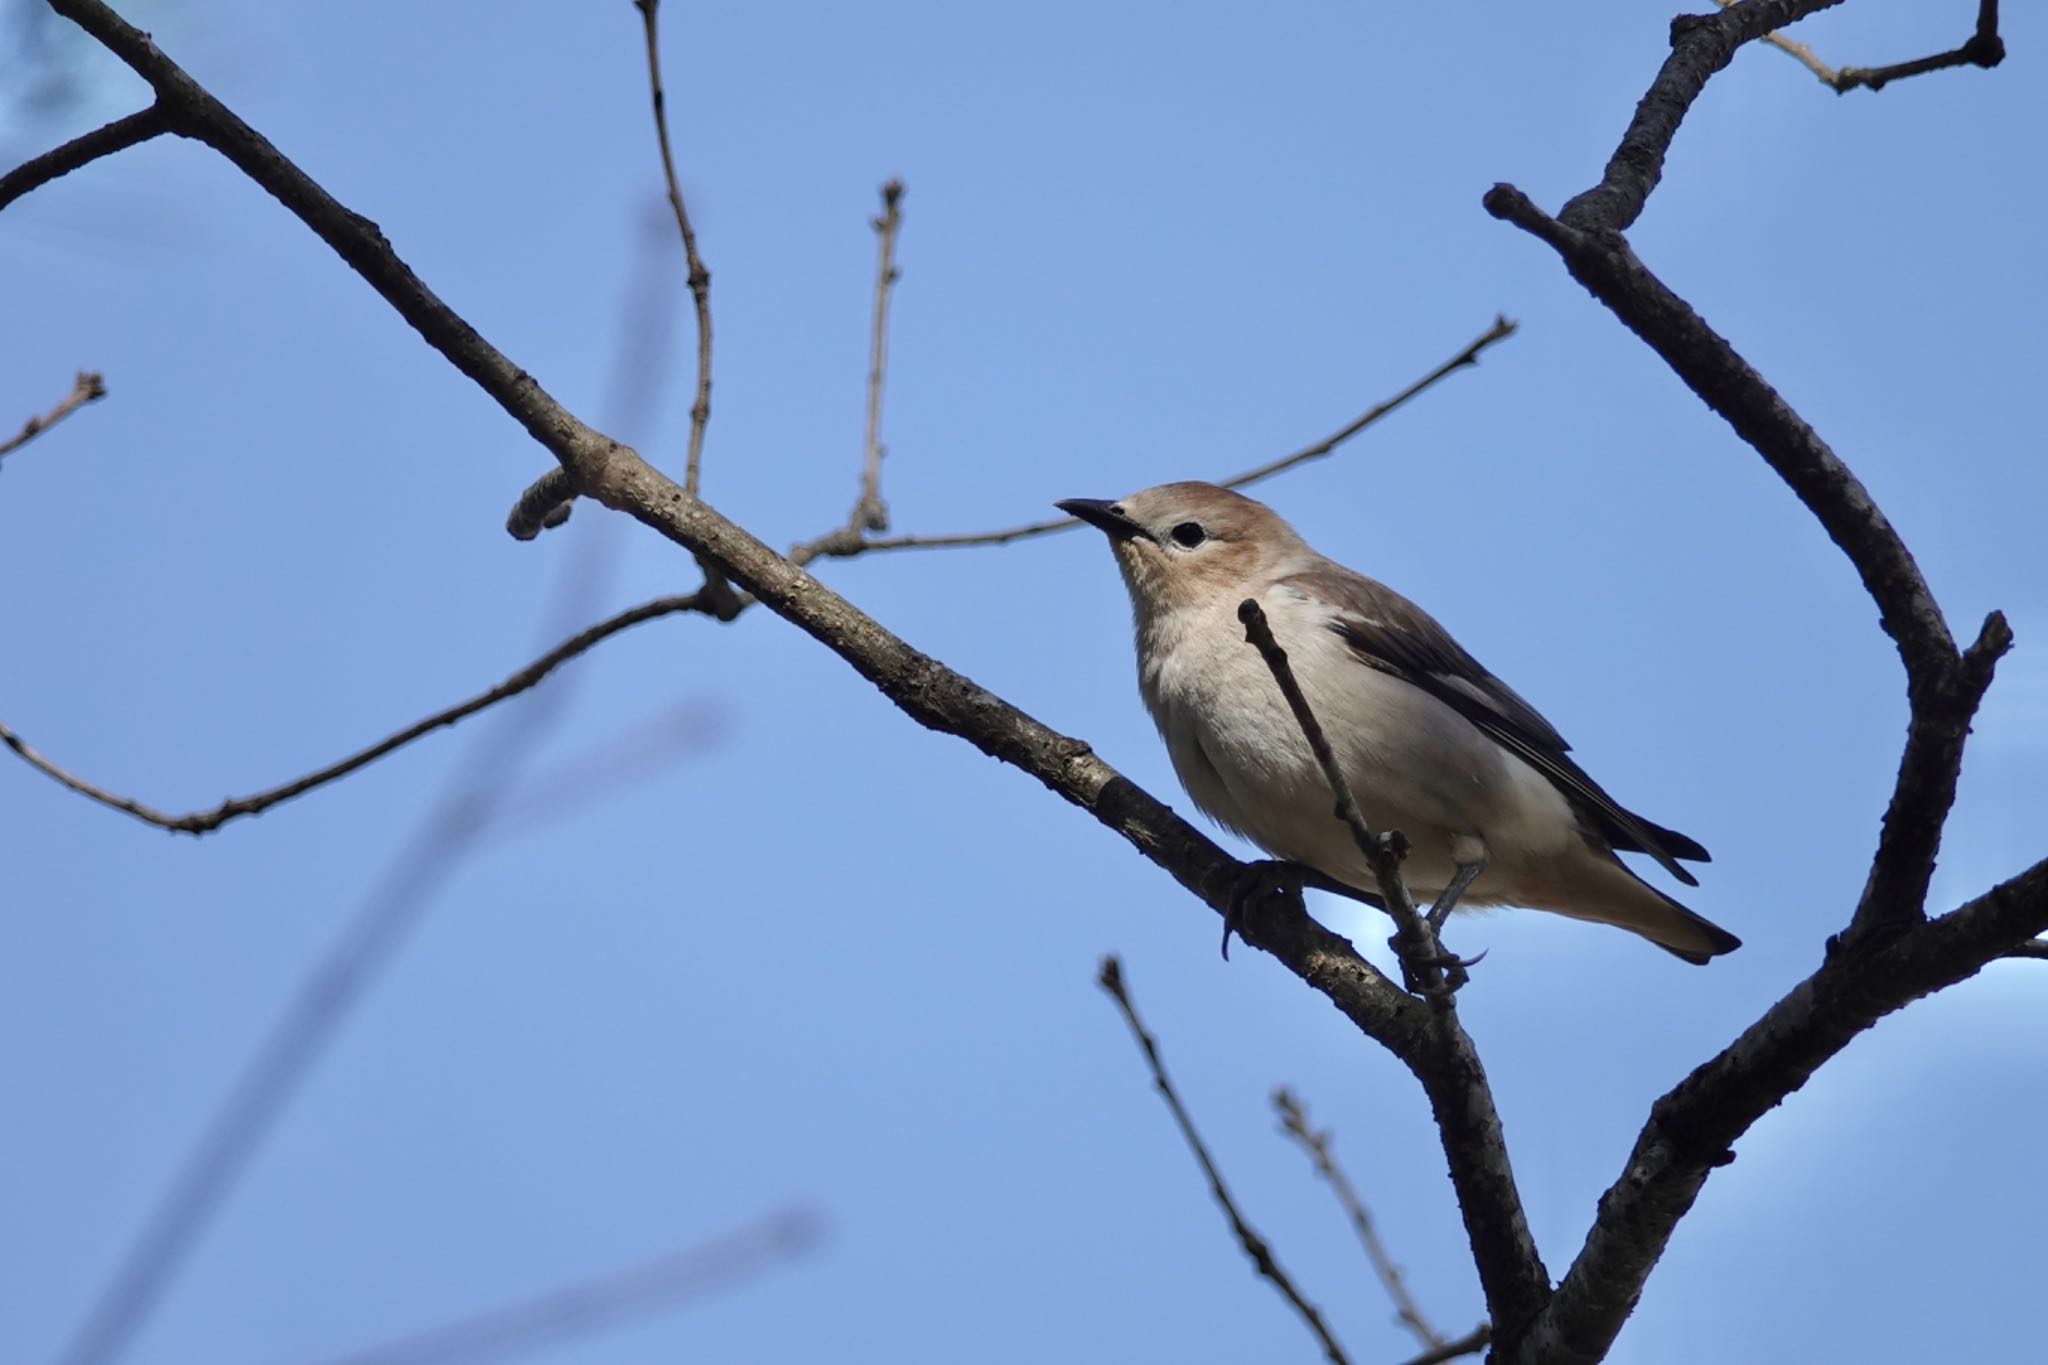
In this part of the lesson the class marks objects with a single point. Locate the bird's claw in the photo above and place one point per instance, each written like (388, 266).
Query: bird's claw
(1258, 881)
(1455, 969)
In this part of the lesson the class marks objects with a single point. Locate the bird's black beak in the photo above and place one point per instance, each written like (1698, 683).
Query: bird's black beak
(1106, 517)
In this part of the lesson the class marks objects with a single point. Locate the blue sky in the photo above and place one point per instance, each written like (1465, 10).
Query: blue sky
(827, 959)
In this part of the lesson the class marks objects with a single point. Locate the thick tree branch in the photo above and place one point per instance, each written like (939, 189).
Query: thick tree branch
(121, 134)
(840, 545)
(206, 821)
(1692, 1129)
(1294, 1122)
(1891, 954)
(1604, 263)
(1111, 979)
(1700, 46)
(88, 387)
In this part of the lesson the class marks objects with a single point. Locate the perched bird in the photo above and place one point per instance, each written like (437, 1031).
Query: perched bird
(1433, 745)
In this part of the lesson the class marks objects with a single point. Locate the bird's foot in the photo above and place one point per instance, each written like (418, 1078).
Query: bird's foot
(1456, 970)
(1258, 883)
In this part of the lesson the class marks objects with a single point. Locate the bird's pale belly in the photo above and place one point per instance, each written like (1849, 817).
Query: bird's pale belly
(1414, 765)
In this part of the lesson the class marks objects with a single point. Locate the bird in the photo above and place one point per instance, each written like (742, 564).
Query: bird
(1494, 809)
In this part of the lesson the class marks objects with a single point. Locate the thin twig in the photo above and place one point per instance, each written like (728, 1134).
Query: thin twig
(840, 545)
(1421, 954)
(88, 387)
(206, 821)
(1294, 1122)
(1471, 1344)
(870, 513)
(121, 134)
(2037, 948)
(579, 1309)
(1984, 49)
(700, 278)
(1111, 979)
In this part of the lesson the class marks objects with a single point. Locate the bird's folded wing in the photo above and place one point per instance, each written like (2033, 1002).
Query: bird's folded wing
(1388, 632)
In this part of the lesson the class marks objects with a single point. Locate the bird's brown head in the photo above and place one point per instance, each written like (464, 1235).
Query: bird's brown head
(1183, 544)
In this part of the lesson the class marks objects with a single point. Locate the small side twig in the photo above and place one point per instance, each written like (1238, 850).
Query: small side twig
(88, 387)
(1414, 939)
(1471, 1344)
(841, 544)
(700, 278)
(1111, 979)
(869, 513)
(2037, 948)
(1984, 49)
(206, 821)
(576, 1310)
(83, 150)
(1294, 1122)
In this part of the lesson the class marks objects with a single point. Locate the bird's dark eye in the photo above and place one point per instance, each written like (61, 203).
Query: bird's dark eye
(1189, 534)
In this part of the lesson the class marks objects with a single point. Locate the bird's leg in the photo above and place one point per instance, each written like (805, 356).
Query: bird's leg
(1258, 881)
(1447, 899)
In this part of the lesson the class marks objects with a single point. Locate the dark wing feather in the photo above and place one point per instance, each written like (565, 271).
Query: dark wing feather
(1388, 632)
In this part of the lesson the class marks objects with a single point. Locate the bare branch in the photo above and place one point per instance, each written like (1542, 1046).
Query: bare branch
(841, 546)
(88, 387)
(1602, 260)
(1294, 1122)
(1692, 1129)
(121, 134)
(1700, 46)
(869, 513)
(204, 822)
(1511, 1270)
(1502, 329)
(700, 278)
(2035, 948)
(1471, 1344)
(579, 1309)
(1111, 979)
(1984, 48)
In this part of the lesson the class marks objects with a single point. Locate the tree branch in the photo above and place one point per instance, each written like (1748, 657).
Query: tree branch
(88, 387)
(1471, 1344)
(1111, 979)
(1441, 1054)
(869, 513)
(1691, 1129)
(121, 134)
(700, 278)
(205, 822)
(1984, 48)
(841, 546)
(1700, 46)
(1891, 953)
(1294, 1123)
